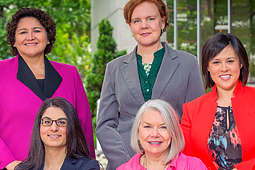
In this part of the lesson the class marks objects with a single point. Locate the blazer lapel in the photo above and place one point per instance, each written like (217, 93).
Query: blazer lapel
(26, 76)
(52, 79)
(68, 164)
(130, 75)
(203, 122)
(166, 71)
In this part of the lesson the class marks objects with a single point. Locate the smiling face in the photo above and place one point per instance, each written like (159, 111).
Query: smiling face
(146, 24)
(153, 134)
(53, 136)
(225, 68)
(30, 38)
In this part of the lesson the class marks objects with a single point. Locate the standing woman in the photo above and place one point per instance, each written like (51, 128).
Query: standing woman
(219, 126)
(28, 79)
(152, 71)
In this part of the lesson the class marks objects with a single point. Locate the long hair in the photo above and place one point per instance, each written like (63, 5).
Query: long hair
(76, 145)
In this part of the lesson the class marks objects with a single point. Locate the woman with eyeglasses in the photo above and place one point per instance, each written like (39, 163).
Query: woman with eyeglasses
(57, 140)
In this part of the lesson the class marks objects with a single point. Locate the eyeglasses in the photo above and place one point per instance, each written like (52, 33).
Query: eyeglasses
(61, 122)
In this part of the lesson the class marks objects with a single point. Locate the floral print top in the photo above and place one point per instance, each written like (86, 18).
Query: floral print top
(224, 142)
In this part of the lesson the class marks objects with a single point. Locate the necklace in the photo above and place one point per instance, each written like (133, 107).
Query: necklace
(145, 163)
(228, 105)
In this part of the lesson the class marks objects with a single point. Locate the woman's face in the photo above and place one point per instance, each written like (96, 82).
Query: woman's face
(30, 38)
(153, 134)
(225, 68)
(146, 24)
(53, 135)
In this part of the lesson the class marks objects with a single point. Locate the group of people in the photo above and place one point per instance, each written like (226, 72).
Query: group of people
(153, 112)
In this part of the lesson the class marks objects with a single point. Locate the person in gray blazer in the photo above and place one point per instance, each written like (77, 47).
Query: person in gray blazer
(152, 71)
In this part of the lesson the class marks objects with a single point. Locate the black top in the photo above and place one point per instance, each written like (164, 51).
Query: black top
(224, 142)
(52, 79)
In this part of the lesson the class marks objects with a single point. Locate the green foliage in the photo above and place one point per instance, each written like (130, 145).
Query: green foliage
(106, 51)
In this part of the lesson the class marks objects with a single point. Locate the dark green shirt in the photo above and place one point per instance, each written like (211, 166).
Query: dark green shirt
(147, 82)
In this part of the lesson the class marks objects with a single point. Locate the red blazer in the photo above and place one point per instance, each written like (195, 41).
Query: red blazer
(198, 117)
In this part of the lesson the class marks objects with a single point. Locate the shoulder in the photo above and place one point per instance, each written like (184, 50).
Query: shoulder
(198, 100)
(7, 62)
(133, 163)
(83, 163)
(62, 65)
(181, 55)
(120, 60)
(190, 162)
(249, 90)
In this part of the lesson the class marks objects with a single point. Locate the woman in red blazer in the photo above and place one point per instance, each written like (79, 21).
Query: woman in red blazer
(219, 126)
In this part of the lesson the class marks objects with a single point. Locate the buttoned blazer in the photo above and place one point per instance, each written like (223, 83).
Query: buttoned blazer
(178, 81)
(198, 117)
(19, 105)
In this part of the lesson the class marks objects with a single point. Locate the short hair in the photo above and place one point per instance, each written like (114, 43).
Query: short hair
(132, 4)
(44, 18)
(76, 145)
(171, 121)
(214, 46)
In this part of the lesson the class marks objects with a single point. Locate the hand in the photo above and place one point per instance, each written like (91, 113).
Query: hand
(12, 165)
(234, 169)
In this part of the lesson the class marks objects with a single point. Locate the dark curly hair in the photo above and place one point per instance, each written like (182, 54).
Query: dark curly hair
(44, 18)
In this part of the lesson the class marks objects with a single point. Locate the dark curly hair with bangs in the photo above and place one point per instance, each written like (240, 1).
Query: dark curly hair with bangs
(44, 18)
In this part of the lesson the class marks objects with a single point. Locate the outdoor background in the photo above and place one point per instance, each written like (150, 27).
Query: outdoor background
(73, 42)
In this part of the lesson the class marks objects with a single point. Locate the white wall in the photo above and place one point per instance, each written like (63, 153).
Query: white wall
(113, 11)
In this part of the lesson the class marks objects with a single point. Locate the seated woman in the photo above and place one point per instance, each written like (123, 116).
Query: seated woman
(57, 140)
(157, 137)
(219, 126)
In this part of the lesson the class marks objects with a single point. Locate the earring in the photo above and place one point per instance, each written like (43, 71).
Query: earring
(162, 29)
(132, 35)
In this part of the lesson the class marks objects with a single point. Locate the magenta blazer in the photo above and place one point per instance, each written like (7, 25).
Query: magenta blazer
(20, 100)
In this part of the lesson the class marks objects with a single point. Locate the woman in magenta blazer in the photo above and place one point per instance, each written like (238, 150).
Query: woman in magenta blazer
(28, 79)
(219, 126)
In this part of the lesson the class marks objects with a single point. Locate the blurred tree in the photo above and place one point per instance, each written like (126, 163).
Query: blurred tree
(106, 51)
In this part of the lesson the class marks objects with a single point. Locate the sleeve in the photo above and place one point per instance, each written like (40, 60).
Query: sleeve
(186, 128)
(6, 156)
(110, 140)
(83, 111)
(245, 165)
(195, 87)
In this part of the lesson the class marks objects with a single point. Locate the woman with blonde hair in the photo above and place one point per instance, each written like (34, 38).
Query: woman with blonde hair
(158, 140)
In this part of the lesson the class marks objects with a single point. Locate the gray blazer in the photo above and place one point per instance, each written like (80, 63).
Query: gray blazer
(178, 81)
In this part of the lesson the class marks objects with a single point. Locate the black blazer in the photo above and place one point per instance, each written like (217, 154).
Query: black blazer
(79, 164)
